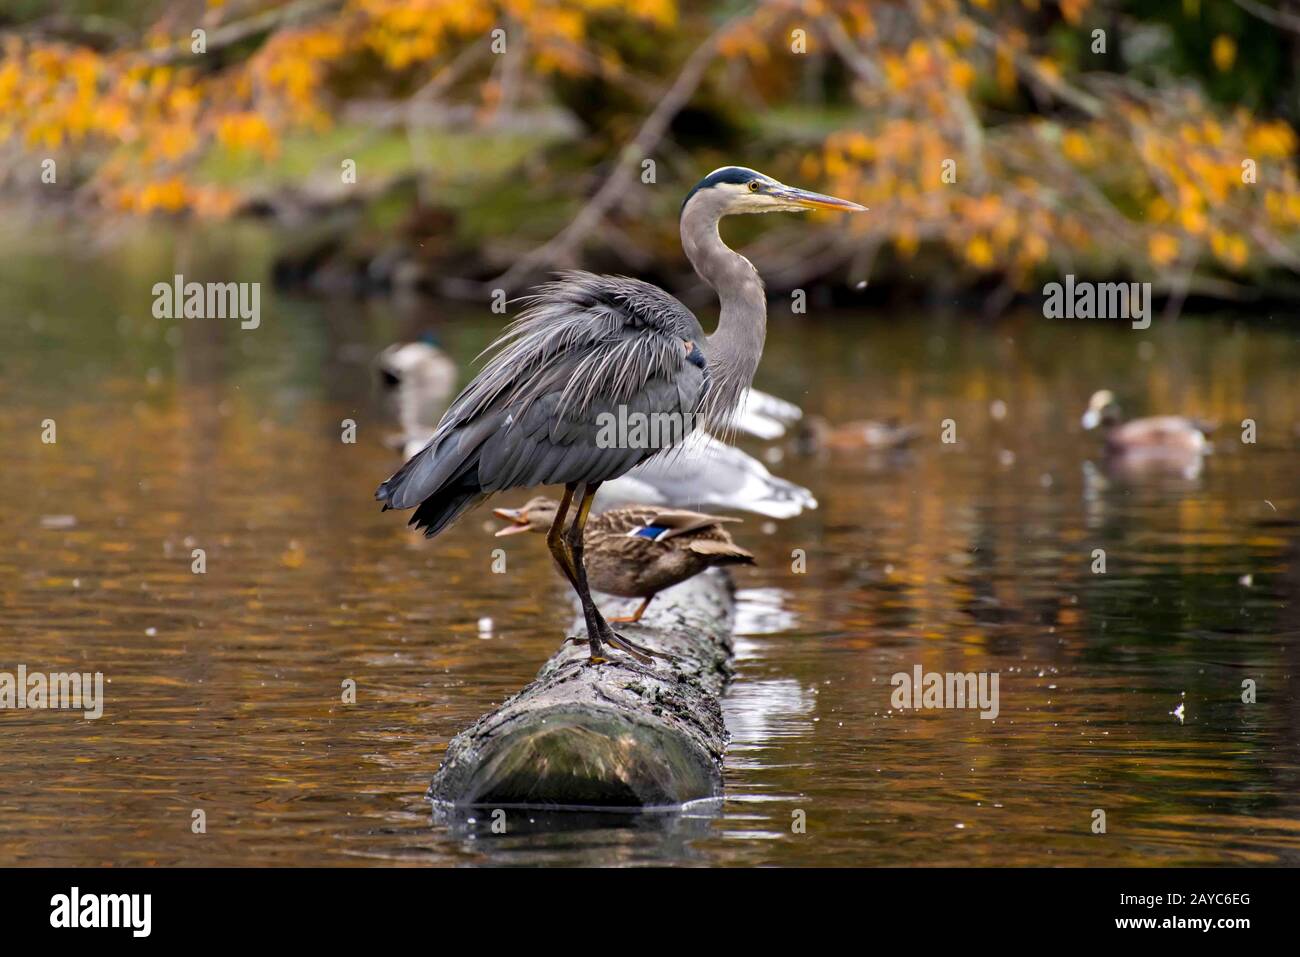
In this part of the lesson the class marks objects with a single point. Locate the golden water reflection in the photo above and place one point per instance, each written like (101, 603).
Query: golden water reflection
(224, 693)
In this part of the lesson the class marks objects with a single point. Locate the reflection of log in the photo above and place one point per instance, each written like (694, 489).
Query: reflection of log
(618, 734)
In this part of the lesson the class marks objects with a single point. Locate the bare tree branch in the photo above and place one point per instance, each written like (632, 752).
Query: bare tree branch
(240, 30)
(1286, 21)
(563, 244)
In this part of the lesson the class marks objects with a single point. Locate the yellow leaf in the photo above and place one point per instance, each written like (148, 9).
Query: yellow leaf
(979, 252)
(1162, 248)
(1224, 52)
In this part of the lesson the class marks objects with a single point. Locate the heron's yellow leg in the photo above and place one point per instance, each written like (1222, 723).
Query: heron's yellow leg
(597, 629)
(555, 538)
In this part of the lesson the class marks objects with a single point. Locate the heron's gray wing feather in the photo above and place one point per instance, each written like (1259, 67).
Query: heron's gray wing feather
(551, 443)
(586, 345)
(598, 333)
(444, 459)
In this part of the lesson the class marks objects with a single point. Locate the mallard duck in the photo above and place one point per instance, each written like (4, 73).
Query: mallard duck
(639, 550)
(707, 472)
(817, 435)
(1174, 434)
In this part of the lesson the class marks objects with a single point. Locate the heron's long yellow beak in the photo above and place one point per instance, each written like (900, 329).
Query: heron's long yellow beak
(811, 200)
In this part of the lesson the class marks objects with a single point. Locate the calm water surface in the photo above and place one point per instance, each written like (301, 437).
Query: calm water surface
(223, 689)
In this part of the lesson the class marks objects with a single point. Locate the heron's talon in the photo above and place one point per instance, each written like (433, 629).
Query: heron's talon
(639, 652)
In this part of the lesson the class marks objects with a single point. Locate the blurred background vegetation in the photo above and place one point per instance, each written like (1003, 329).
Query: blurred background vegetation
(407, 144)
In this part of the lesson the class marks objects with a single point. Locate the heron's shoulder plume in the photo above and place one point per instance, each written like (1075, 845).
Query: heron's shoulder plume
(583, 332)
(634, 302)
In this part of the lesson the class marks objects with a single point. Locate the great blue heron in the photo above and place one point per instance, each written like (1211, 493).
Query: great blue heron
(589, 348)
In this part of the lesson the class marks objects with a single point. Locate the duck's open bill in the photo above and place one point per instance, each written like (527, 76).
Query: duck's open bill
(517, 518)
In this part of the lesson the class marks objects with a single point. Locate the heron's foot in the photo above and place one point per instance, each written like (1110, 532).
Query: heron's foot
(596, 657)
(640, 652)
(608, 636)
(643, 655)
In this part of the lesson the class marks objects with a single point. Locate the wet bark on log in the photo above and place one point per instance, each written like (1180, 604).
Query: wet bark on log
(619, 734)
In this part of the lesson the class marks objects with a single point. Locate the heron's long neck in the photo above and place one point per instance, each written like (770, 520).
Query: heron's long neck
(734, 348)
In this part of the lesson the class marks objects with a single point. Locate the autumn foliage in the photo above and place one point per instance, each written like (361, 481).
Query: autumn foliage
(997, 131)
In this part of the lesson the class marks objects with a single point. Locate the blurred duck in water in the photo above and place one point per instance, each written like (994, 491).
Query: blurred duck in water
(705, 472)
(639, 550)
(764, 416)
(816, 435)
(415, 381)
(1163, 433)
(1154, 447)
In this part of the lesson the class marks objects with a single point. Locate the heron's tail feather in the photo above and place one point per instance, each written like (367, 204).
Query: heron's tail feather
(435, 511)
(441, 479)
(439, 511)
(398, 489)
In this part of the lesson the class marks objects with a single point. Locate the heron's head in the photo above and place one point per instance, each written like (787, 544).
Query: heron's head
(735, 189)
(1102, 409)
(535, 515)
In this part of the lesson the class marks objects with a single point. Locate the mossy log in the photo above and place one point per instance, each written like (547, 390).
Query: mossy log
(617, 734)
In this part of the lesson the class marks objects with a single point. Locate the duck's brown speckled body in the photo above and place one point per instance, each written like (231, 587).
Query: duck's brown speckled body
(624, 560)
(639, 550)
